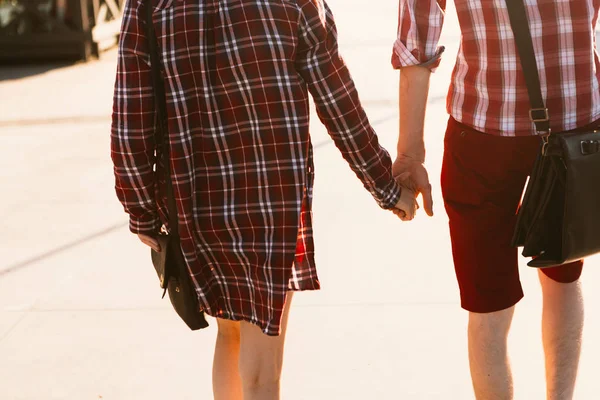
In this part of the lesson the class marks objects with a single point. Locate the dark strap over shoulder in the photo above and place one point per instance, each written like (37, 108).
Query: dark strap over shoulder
(160, 104)
(520, 27)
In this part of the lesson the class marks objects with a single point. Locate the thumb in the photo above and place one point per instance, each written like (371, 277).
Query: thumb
(427, 200)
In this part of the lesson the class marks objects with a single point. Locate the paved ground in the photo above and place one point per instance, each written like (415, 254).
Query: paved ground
(387, 325)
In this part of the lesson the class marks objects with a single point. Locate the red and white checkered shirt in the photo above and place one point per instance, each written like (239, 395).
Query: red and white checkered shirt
(488, 89)
(237, 78)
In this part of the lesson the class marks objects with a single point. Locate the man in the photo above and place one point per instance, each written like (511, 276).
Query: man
(490, 148)
(237, 79)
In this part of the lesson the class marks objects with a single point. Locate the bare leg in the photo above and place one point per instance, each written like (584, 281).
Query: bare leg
(488, 356)
(261, 359)
(227, 384)
(562, 327)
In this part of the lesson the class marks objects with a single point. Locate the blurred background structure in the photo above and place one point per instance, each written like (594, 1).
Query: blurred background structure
(53, 29)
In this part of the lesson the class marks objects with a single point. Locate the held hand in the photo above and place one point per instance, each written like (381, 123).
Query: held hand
(407, 206)
(150, 242)
(411, 173)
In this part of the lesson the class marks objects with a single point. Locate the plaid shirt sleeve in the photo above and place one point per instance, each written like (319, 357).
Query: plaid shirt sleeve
(338, 105)
(419, 28)
(133, 123)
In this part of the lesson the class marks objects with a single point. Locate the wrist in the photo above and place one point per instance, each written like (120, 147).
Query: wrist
(411, 146)
(411, 155)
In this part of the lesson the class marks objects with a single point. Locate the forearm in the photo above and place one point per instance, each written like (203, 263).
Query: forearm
(338, 105)
(413, 91)
(353, 135)
(133, 124)
(134, 182)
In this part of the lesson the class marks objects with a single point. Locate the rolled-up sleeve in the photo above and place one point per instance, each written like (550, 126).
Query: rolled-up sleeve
(419, 28)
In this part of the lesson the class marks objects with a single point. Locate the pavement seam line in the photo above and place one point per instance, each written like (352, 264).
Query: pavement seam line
(12, 328)
(57, 250)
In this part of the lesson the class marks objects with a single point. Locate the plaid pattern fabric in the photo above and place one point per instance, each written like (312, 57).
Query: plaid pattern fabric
(238, 75)
(488, 89)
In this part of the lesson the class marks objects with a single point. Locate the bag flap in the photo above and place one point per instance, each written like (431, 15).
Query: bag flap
(579, 144)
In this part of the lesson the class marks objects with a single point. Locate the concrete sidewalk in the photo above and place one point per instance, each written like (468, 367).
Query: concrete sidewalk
(77, 325)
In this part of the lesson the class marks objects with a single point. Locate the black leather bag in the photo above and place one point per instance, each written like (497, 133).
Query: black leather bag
(559, 219)
(170, 263)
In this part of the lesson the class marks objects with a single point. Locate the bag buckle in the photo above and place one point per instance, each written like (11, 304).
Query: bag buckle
(539, 115)
(589, 147)
(545, 144)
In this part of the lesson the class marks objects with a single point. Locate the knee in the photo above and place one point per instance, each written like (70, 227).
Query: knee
(258, 378)
(261, 371)
(560, 294)
(261, 360)
(492, 326)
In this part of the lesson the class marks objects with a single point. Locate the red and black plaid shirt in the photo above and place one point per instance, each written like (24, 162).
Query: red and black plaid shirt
(488, 89)
(238, 75)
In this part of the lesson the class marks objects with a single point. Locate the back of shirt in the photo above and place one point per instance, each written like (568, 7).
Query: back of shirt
(488, 90)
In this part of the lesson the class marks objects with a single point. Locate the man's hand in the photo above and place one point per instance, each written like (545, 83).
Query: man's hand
(150, 242)
(412, 174)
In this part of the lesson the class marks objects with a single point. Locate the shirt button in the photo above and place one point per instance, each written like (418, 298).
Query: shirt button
(463, 134)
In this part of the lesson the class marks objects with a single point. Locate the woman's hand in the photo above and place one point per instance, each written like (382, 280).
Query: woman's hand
(407, 206)
(150, 242)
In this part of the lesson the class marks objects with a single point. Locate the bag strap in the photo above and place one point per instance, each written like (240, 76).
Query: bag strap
(520, 27)
(160, 104)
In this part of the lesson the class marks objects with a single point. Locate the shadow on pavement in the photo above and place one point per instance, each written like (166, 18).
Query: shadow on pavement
(10, 71)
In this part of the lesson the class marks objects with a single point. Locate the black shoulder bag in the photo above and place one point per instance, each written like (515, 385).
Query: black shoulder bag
(559, 220)
(170, 264)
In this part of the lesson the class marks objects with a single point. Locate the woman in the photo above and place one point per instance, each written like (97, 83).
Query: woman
(237, 77)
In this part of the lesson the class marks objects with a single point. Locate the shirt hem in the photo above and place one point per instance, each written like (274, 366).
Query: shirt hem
(264, 327)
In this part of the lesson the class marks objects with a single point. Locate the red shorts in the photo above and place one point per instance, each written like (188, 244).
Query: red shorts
(483, 178)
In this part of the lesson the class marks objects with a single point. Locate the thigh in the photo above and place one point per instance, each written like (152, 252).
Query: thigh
(484, 170)
(483, 178)
(228, 328)
(260, 352)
